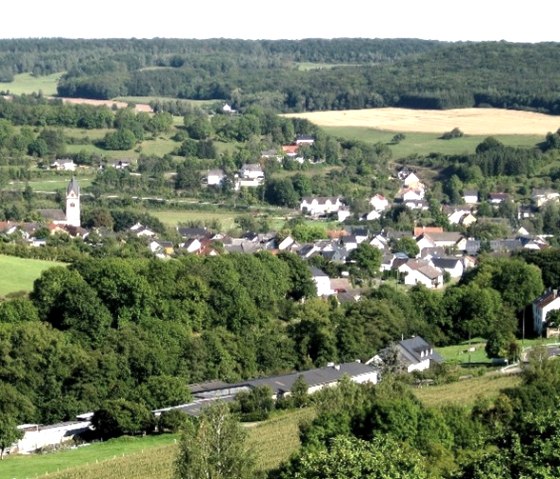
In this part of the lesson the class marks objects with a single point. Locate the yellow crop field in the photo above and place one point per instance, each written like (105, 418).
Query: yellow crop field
(471, 121)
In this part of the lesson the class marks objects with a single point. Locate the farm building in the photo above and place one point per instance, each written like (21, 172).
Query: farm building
(316, 379)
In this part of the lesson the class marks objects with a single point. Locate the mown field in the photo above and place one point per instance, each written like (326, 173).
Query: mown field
(471, 121)
(151, 457)
(25, 83)
(18, 274)
(416, 143)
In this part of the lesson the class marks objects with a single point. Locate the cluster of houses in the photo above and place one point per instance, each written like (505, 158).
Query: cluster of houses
(413, 354)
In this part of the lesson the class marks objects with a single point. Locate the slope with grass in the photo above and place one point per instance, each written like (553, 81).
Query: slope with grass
(18, 274)
(152, 457)
(467, 391)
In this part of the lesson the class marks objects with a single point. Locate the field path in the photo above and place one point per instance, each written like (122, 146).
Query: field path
(471, 121)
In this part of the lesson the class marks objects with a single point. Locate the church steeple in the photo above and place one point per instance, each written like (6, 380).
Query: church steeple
(73, 203)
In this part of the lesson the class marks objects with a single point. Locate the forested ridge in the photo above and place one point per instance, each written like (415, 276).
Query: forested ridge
(345, 73)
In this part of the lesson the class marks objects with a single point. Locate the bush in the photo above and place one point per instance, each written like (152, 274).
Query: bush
(449, 135)
(119, 417)
(172, 420)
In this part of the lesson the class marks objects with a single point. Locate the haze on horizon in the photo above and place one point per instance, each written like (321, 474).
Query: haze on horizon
(247, 19)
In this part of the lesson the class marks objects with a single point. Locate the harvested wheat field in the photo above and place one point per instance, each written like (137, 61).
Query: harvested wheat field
(471, 121)
(108, 103)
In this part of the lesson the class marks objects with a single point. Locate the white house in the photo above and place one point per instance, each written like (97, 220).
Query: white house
(373, 215)
(64, 164)
(418, 271)
(543, 196)
(142, 231)
(251, 172)
(286, 243)
(411, 194)
(544, 304)
(414, 354)
(455, 216)
(470, 197)
(343, 213)
(192, 245)
(497, 198)
(453, 266)
(305, 140)
(320, 205)
(215, 177)
(379, 202)
(379, 242)
(412, 181)
(322, 282)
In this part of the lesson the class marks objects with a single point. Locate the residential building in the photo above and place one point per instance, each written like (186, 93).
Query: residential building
(251, 172)
(64, 164)
(542, 306)
(418, 271)
(413, 354)
(452, 265)
(379, 202)
(322, 282)
(215, 177)
(320, 205)
(541, 196)
(470, 197)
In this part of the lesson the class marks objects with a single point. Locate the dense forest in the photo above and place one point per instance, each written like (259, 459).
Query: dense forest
(141, 329)
(345, 73)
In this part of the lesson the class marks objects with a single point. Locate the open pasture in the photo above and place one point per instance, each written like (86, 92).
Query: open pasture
(25, 83)
(18, 274)
(425, 143)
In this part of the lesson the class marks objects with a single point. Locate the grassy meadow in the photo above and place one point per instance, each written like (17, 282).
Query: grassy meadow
(417, 143)
(49, 185)
(152, 457)
(467, 391)
(25, 83)
(18, 274)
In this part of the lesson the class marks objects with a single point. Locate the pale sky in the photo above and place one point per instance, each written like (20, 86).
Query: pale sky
(476, 20)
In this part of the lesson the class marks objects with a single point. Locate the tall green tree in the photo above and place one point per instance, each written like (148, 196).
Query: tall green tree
(215, 447)
(9, 433)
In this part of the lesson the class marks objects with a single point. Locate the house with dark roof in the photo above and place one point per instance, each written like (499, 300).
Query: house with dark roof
(316, 379)
(413, 354)
(452, 265)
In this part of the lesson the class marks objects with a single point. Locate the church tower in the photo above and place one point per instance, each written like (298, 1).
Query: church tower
(73, 203)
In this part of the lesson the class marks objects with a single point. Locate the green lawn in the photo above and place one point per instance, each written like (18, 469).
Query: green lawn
(460, 353)
(172, 218)
(18, 274)
(425, 143)
(25, 83)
